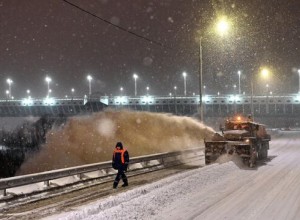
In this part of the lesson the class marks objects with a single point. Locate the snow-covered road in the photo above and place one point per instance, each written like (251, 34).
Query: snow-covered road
(225, 191)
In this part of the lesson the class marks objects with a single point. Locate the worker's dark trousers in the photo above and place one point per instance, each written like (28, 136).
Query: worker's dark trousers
(120, 175)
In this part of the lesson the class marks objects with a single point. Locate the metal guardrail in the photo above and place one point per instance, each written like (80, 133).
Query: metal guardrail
(47, 176)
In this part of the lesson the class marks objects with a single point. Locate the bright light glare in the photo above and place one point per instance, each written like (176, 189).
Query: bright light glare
(184, 74)
(89, 78)
(135, 76)
(222, 26)
(49, 101)
(27, 102)
(206, 98)
(265, 72)
(48, 79)
(234, 98)
(9, 81)
(147, 99)
(121, 99)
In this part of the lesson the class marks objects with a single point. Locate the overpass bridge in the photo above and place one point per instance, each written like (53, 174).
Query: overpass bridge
(274, 111)
(214, 106)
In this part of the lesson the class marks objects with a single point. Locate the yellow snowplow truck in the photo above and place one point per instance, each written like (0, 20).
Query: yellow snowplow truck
(239, 136)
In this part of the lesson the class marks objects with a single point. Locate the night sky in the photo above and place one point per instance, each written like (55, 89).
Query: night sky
(50, 37)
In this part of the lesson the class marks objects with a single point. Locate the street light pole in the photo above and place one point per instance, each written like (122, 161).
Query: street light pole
(299, 80)
(89, 78)
(147, 88)
(200, 79)
(7, 94)
(252, 110)
(184, 78)
(121, 89)
(48, 80)
(9, 81)
(175, 88)
(239, 73)
(72, 91)
(135, 76)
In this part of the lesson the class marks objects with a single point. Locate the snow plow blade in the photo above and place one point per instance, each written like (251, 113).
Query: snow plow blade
(214, 149)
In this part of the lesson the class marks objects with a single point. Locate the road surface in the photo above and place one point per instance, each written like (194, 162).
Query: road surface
(218, 191)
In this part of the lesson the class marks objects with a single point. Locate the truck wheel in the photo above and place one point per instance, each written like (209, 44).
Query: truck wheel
(252, 160)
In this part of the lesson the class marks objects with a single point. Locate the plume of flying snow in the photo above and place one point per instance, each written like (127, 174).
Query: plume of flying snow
(92, 139)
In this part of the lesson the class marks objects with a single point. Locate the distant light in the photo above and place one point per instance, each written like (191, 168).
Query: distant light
(48, 79)
(27, 102)
(9, 81)
(234, 98)
(135, 76)
(239, 72)
(72, 90)
(147, 99)
(89, 77)
(206, 98)
(238, 118)
(121, 99)
(49, 101)
(184, 74)
(28, 91)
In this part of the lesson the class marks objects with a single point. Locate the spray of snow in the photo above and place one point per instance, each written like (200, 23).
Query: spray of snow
(224, 158)
(91, 139)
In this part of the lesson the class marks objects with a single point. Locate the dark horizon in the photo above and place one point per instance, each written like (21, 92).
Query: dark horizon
(40, 38)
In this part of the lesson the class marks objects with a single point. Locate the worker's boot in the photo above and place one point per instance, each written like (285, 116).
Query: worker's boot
(125, 182)
(115, 185)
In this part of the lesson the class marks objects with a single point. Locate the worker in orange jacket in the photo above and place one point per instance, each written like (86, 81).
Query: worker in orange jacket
(120, 161)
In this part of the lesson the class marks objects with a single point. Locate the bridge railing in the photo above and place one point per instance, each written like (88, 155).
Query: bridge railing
(162, 159)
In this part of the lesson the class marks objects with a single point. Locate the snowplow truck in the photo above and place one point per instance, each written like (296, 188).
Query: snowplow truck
(245, 138)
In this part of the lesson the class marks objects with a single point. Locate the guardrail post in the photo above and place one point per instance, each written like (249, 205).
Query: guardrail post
(3, 192)
(80, 176)
(162, 161)
(47, 183)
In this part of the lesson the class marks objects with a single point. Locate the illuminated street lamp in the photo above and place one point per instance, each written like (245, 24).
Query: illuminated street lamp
(9, 82)
(72, 91)
(89, 78)
(121, 89)
(175, 89)
(184, 78)
(268, 89)
(48, 80)
(28, 93)
(234, 87)
(222, 28)
(264, 73)
(147, 88)
(7, 94)
(239, 73)
(135, 76)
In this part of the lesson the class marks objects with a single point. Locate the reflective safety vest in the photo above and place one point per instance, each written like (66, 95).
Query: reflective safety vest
(121, 152)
